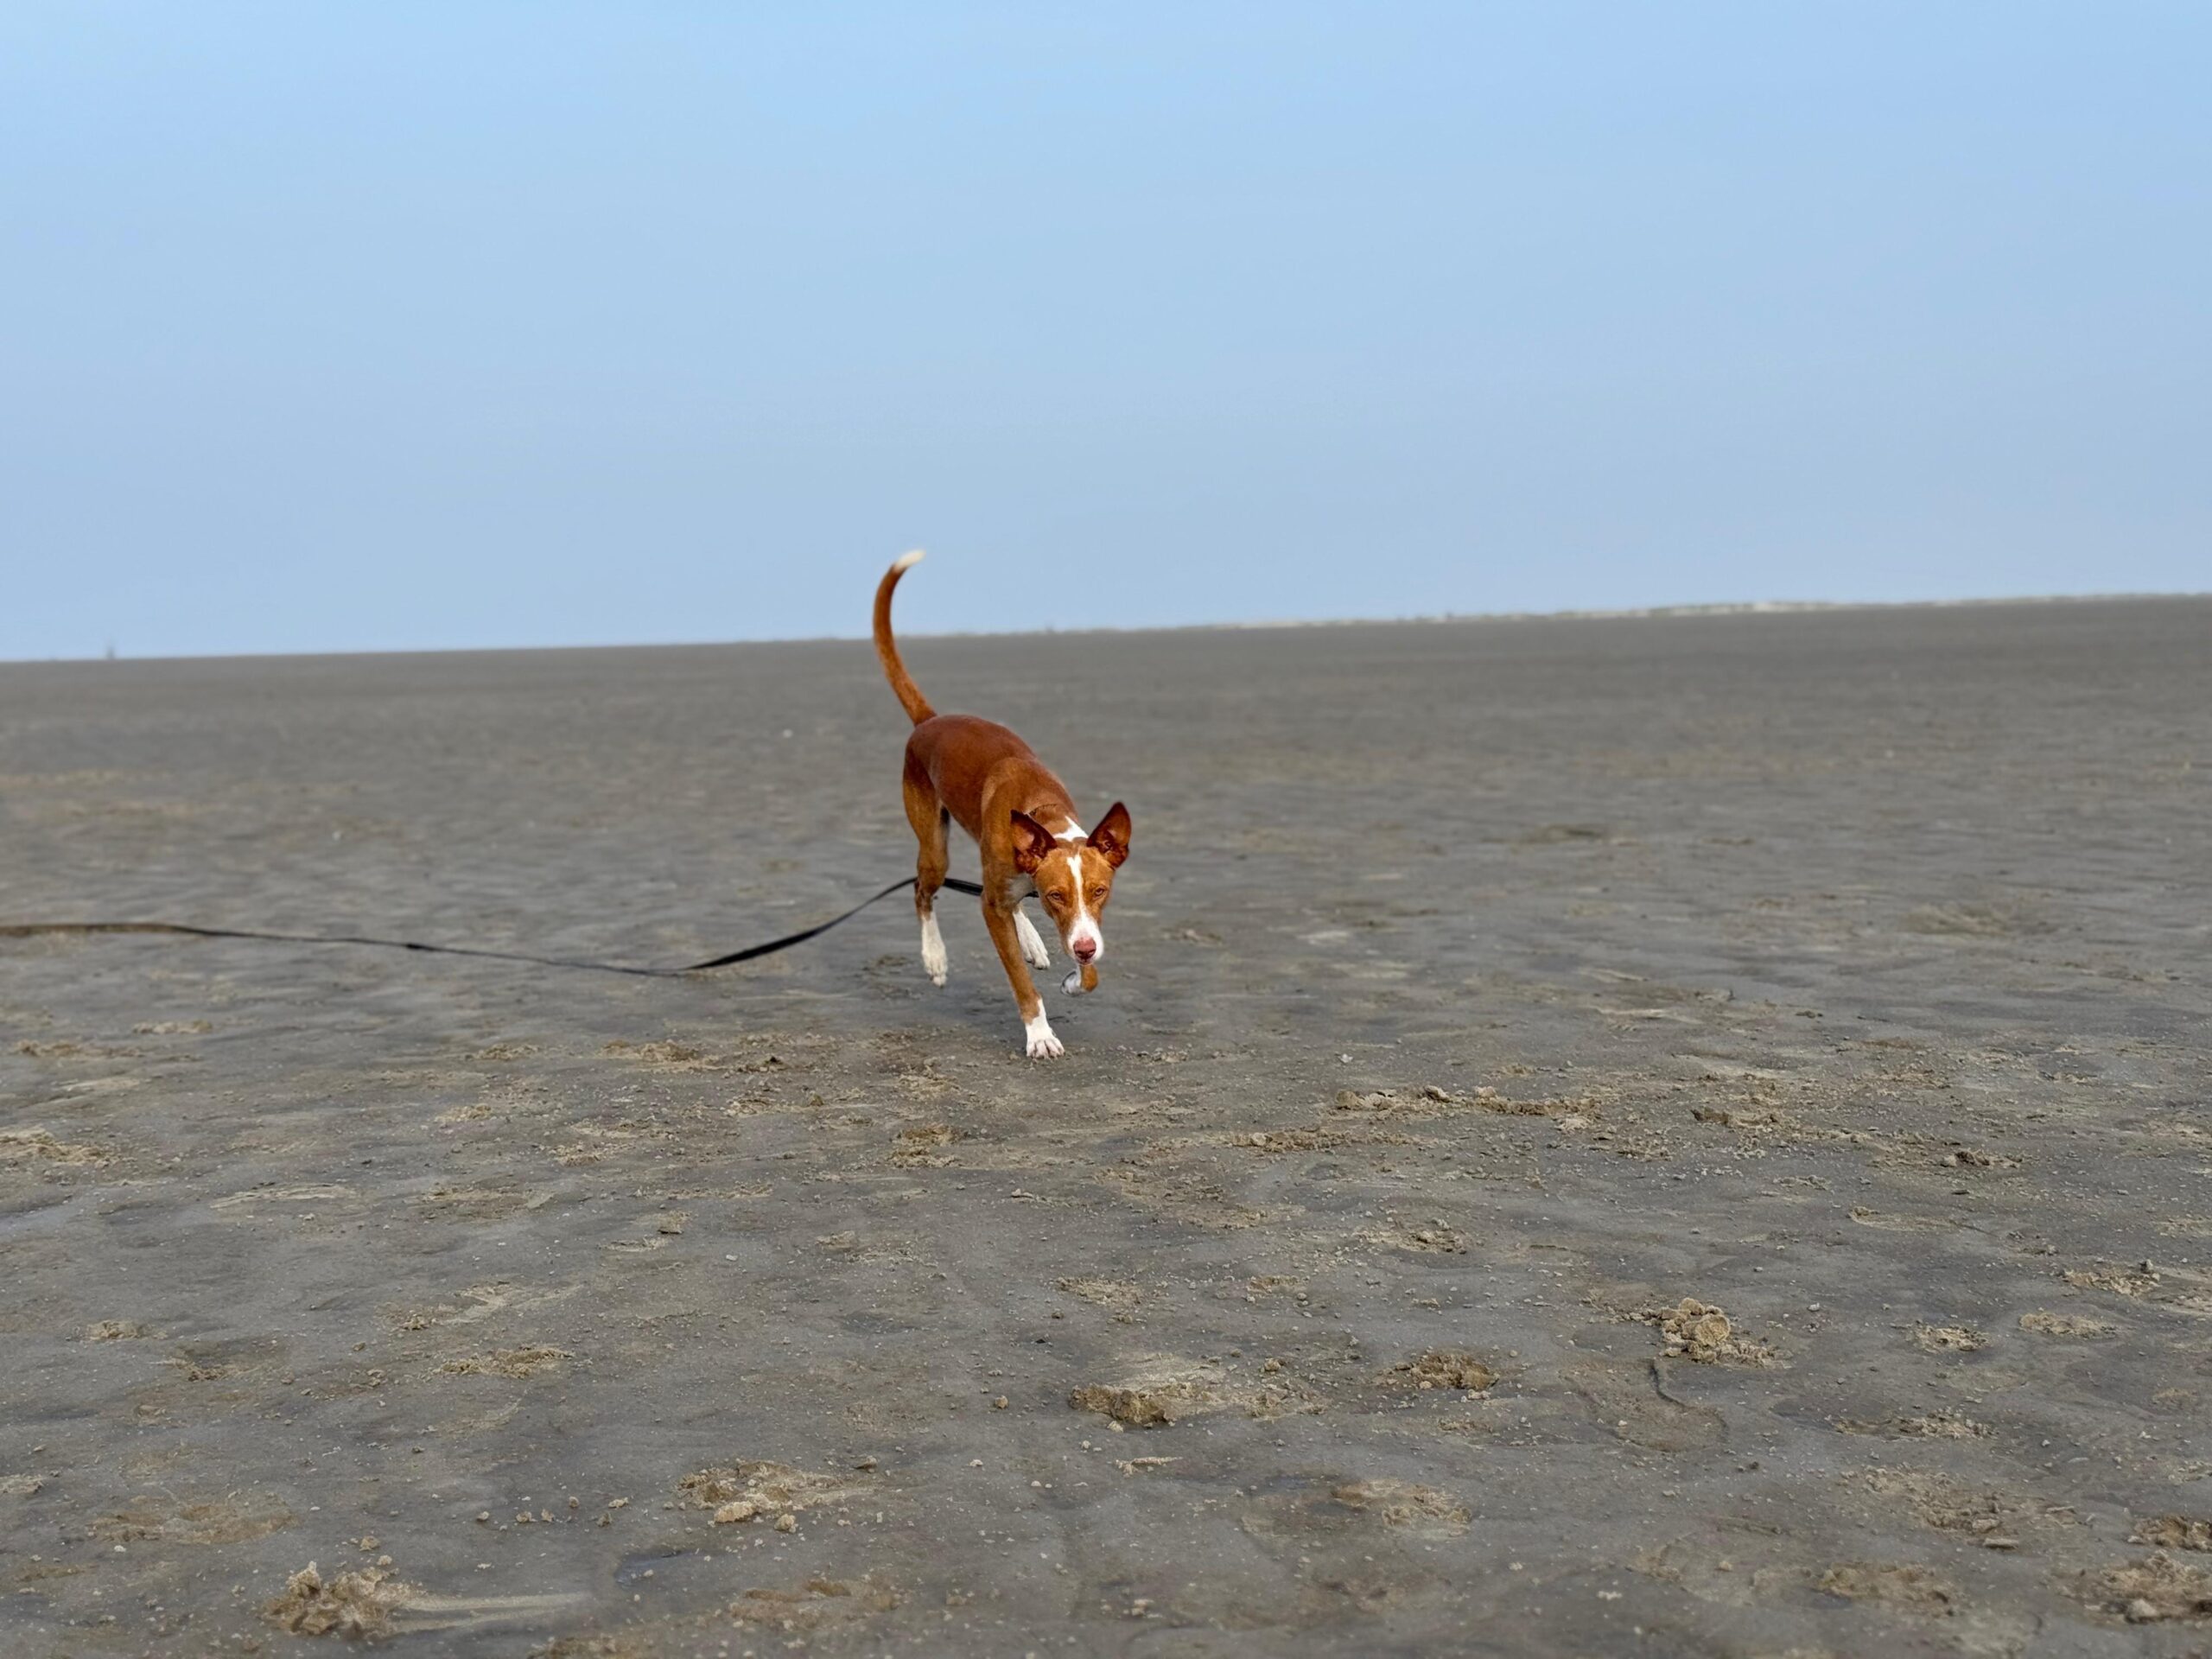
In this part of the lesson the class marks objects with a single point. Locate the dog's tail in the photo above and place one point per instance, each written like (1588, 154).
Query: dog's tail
(909, 695)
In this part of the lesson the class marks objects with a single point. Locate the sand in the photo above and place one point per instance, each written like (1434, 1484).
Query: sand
(1671, 1136)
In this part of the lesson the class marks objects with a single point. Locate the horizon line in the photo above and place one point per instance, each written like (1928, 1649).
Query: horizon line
(1637, 612)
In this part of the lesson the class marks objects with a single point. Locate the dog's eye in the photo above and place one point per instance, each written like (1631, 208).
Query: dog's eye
(1098, 895)
(1056, 897)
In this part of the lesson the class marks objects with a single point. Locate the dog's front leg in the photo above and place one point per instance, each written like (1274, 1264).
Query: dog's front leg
(1037, 1031)
(1032, 942)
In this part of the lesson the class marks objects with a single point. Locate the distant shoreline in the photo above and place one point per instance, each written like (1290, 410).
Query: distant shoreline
(1732, 608)
(1737, 608)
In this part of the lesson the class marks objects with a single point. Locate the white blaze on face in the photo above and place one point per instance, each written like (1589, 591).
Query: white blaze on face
(1086, 939)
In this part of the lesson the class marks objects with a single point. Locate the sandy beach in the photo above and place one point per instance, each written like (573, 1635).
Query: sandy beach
(1668, 1136)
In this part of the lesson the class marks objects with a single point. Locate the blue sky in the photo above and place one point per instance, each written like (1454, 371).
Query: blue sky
(345, 328)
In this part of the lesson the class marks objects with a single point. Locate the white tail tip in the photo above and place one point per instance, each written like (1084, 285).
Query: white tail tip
(906, 562)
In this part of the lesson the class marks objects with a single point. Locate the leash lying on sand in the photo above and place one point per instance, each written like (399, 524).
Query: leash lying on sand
(28, 930)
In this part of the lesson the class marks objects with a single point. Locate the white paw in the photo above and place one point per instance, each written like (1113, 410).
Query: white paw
(1043, 1045)
(1033, 945)
(933, 963)
(1072, 985)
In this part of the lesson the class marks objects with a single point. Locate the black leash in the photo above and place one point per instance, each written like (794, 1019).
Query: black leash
(27, 930)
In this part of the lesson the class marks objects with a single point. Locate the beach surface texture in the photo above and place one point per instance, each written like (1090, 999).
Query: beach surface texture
(1664, 1135)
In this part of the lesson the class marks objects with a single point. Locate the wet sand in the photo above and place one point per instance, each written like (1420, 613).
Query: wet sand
(1476, 995)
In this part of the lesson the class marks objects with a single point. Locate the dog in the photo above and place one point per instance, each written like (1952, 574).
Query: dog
(974, 770)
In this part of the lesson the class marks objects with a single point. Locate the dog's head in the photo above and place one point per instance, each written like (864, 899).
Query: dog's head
(1074, 878)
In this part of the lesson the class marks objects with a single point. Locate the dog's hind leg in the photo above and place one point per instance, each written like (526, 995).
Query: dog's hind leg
(931, 860)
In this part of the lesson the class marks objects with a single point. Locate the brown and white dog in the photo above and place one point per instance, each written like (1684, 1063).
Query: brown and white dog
(974, 770)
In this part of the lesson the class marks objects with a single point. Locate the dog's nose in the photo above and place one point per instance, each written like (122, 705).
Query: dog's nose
(1085, 949)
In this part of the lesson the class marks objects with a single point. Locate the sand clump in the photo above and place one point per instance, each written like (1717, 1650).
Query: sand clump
(2150, 1591)
(1118, 1296)
(1444, 1368)
(923, 1145)
(2137, 1282)
(479, 1302)
(2076, 1327)
(1949, 1339)
(1389, 1100)
(117, 1331)
(1883, 1222)
(1909, 1588)
(588, 1647)
(1279, 1142)
(1137, 1408)
(230, 1520)
(1163, 1390)
(1704, 1334)
(61, 1050)
(35, 1146)
(2174, 1532)
(1434, 1237)
(1991, 1517)
(746, 1491)
(509, 1362)
(820, 1601)
(1429, 1101)
(664, 1056)
(1935, 1425)
(1284, 1397)
(1404, 1504)
(358, 1605)
(1744, 1119)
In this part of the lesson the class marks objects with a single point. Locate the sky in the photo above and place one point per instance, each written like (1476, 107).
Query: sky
(443, 325)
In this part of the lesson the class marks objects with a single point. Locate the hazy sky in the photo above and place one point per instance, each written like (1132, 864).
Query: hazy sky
(358, 327)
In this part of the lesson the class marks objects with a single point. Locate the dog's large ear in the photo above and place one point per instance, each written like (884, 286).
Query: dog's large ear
(1111, 837)
(1031, 840)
